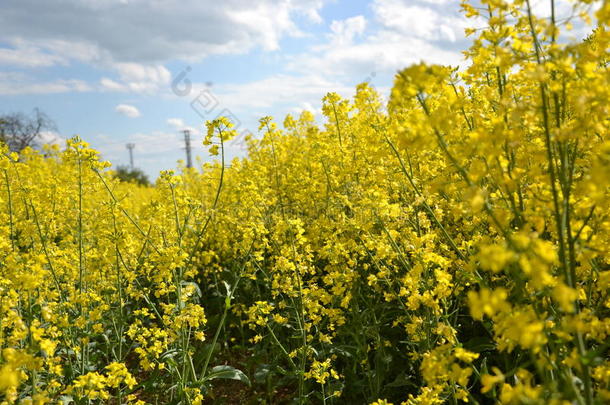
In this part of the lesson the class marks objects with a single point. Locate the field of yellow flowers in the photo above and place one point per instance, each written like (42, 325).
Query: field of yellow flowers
(450, 247)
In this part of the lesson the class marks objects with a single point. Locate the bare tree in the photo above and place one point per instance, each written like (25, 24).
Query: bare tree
(19, 130)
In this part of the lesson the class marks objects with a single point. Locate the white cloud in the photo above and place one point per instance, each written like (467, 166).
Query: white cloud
(427, 22)
(131, 40)
(266, 22)
(296, 111)
(344, 31)
(51, 138)
(179, 125)
(439, 2)
(16, 83)
(137, 78)
(152, 32)
(278, 90)
(128, 110)
(109, 84)
(132, 77)
(401, 33)
(74, 49)
(27, 55)
(563, 8)
(134, 72)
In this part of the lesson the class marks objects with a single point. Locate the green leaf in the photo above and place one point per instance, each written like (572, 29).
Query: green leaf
(401, 380)
(66, 399)
(480, 344)
(227, 287)
(261, 373)
(345, 351)
(227, 372)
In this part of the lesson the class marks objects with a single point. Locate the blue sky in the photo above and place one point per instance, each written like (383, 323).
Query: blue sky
(108, 70)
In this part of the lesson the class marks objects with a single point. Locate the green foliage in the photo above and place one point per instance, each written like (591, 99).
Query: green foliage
(131, 175)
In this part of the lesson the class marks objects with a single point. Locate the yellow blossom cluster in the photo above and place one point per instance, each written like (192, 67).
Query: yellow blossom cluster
(450, 246)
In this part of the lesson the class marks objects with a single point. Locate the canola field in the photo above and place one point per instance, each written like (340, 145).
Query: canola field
(451, 246)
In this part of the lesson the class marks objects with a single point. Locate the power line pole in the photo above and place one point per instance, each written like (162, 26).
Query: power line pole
(130, 147)
(187, 147)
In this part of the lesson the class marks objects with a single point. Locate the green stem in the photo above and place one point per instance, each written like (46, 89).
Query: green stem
(282, 348)
(10, 209)
(80, 227)
(124, 211)
(424, 203)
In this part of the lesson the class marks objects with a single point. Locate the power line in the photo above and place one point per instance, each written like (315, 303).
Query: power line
(130, 147)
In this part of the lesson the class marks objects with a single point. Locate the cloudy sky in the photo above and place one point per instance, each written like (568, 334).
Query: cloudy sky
(139, 71)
